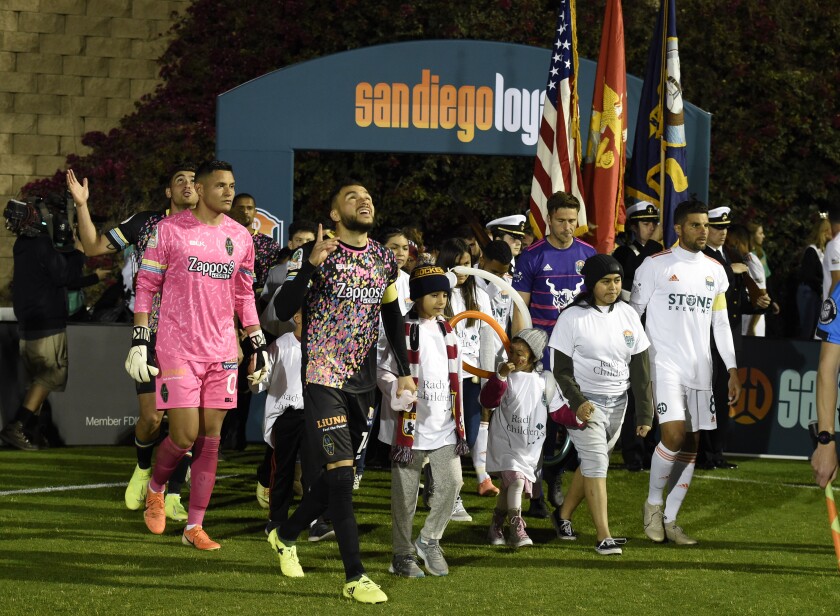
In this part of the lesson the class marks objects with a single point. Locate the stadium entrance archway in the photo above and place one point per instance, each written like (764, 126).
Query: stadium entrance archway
(434, 97)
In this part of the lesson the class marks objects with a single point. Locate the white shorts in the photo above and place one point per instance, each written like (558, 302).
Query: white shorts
(674, 402)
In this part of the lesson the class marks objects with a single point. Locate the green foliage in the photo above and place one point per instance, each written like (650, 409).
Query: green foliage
(767, 71)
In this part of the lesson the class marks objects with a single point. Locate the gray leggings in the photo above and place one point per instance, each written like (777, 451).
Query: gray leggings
(595, 442)
(405, 481)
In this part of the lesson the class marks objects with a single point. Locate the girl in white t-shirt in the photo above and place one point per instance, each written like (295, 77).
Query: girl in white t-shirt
(600, 351)
(428, 426)
(522, 395)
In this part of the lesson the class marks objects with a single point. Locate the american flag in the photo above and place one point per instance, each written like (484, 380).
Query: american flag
(557, 164)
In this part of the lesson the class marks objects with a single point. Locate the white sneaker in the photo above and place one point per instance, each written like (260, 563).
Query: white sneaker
(654, 522)
(459, 513)
(676, 534)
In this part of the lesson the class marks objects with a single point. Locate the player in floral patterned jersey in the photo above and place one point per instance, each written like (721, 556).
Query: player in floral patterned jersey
(202, 263)
(136, 230)
(266, 249)
(343, 285)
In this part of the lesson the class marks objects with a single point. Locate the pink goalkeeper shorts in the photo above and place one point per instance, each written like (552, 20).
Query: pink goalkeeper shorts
(184, 384)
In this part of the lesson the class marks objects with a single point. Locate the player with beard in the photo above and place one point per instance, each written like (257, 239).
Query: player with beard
(136, 231)
(342, 285)
(682, 291)
(201, 262)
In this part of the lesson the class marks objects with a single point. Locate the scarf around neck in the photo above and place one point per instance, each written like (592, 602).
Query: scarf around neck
(401, 451)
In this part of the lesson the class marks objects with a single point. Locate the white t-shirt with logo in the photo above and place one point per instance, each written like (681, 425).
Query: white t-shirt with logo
(517, 427)
(831, 263)
(678, 289)
(600, 343)
(434, 425)
(283, 381)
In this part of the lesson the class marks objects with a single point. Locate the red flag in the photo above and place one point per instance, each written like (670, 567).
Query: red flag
(603, 169)
(557, 164)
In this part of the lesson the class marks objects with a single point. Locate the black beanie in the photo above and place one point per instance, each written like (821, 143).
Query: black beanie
(598, 266)
(428, 279)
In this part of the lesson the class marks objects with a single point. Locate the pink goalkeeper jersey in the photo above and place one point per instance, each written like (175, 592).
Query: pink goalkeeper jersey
(204, 274)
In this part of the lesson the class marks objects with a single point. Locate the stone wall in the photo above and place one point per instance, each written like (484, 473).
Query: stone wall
(68, 67)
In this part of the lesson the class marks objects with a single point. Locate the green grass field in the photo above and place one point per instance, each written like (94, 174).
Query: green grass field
(764, 548)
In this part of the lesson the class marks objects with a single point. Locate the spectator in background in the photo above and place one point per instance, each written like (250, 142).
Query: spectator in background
(300, 232)
(529, 237)
(468, 236)
(756, 231)
(42, 275)
(510, 229)
(739, 238)
(417, 248)
(266, 249)
(809, 291)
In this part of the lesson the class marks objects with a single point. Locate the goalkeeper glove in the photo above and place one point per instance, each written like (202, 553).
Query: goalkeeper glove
(260, 354)
(138, 363)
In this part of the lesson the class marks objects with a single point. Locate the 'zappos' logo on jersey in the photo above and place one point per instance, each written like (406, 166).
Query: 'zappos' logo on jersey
(710, 283)
(756, 399)
(828, 312)
(221, 271)
(365, 295)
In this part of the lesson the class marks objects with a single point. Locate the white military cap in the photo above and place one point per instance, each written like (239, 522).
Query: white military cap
(512, 225)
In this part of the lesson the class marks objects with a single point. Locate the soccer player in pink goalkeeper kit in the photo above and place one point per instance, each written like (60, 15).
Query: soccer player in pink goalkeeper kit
(202, 262)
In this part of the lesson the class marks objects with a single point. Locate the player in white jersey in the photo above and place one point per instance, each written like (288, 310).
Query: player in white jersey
(682, 291)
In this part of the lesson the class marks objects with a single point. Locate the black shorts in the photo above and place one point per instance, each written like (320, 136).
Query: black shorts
(336, 423)
(151, 386)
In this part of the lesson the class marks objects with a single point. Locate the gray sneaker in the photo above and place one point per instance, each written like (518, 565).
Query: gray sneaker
(14, 435)
(432, 556)
(654, 522)
(459, 513)
(405, 565)
(677, 535)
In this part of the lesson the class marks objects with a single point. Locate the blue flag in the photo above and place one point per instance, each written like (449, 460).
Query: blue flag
(660, 129)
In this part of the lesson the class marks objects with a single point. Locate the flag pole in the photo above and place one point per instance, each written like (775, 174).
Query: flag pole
(663, 78)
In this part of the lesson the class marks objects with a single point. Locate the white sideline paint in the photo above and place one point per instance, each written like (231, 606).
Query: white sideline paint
(764, 483)
(89, 486)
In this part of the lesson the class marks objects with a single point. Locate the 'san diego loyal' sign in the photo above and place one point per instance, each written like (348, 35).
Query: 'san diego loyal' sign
(464, 108)
(436, 97)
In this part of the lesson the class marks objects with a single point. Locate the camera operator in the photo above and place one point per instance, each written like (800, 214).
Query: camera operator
(46, 262)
